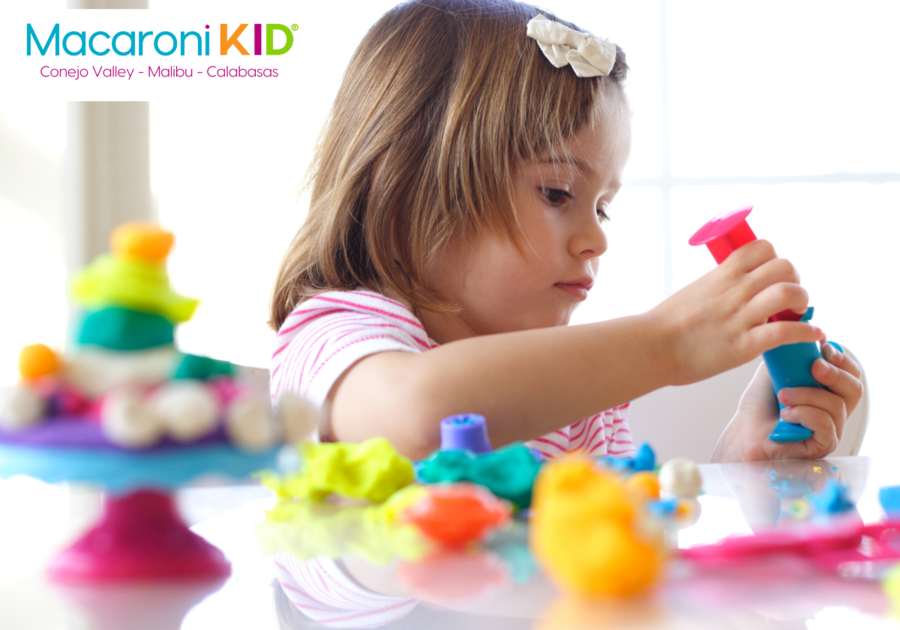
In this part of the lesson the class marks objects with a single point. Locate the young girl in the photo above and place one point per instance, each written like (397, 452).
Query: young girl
(459, 192)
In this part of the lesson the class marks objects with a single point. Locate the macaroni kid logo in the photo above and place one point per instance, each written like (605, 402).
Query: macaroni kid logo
(165, 43)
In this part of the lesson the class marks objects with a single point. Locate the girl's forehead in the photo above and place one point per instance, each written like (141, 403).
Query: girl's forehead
(592, 144)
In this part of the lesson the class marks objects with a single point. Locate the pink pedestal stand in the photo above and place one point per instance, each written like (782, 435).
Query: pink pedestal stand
(139, 537)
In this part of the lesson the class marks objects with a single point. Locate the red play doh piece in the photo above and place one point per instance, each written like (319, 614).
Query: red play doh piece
(725, 233)
(457, 514)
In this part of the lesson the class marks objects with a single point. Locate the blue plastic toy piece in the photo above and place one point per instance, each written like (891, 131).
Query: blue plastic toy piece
(465, 432)
(663, 507)
(791, 366)
(833, 499)
(889, 497)
(644, 460)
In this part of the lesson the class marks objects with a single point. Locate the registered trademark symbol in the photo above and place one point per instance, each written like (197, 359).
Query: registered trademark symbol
(294, 27)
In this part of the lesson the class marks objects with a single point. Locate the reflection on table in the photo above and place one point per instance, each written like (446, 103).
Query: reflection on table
(361, 583)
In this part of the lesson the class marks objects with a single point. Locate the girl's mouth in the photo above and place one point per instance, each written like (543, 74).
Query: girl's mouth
(576, 290)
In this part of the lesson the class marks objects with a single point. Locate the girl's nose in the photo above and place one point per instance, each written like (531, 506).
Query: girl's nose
(588, 239)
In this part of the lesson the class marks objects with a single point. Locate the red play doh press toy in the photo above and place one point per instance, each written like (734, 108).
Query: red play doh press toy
(789, 365)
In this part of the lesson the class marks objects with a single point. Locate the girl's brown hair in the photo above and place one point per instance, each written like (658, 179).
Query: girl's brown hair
(442, 100)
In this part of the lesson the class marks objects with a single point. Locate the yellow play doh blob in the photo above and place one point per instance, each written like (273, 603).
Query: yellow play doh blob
(141, 241)
(136, 284)
(584, 532)
(36, 361)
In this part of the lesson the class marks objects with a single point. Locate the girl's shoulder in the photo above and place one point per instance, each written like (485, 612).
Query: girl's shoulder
(328, 333)
(363, 306)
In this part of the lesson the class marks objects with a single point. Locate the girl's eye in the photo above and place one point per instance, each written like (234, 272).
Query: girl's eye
(601, 212)
(555, 196)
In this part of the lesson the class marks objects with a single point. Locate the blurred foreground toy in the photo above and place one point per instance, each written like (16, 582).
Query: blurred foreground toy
(587, 532)
(789, 365)
(457, 514)
(124, 410)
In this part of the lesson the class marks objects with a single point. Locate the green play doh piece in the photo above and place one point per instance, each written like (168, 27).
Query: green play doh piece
(508, 472)
(200, 368)
(117, 328)
(134, 284)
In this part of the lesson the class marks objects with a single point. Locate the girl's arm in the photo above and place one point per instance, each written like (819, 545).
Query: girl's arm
(532, 382)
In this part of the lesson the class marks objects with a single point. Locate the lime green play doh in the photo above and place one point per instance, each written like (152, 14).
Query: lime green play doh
(371, 470)
(135, 284)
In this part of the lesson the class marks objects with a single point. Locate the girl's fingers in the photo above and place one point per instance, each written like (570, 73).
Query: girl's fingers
(825, 437)
(841, 382)
(771, 335)
(769, 273)
(774, 299)
(750, 256)
(802, 403)
(841, 360)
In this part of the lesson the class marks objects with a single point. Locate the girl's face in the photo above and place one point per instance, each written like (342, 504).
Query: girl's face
(561, 205)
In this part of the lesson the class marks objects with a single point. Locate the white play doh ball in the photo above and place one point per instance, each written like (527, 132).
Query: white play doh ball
(249, 424)
(188, 409)
(128, 422)
(20, 407)
(298, 416)
(680, 477)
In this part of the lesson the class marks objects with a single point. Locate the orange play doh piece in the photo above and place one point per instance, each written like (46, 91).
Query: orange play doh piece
(643, 486)
(141, 241)
(457, 514)
(36, 361)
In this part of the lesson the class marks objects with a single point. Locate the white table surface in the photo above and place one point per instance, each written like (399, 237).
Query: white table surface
(37, 519)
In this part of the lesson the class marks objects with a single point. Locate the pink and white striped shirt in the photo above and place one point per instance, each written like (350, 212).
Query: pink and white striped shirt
(328, 333)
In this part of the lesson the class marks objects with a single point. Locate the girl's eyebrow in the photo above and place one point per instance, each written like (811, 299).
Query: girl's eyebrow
(615, 187)
(567, 160)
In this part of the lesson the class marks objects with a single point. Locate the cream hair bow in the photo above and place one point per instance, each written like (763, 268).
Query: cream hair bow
(588, 55)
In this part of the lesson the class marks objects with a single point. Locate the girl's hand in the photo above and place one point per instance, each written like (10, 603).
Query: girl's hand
(719, 321)
(822, 411)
